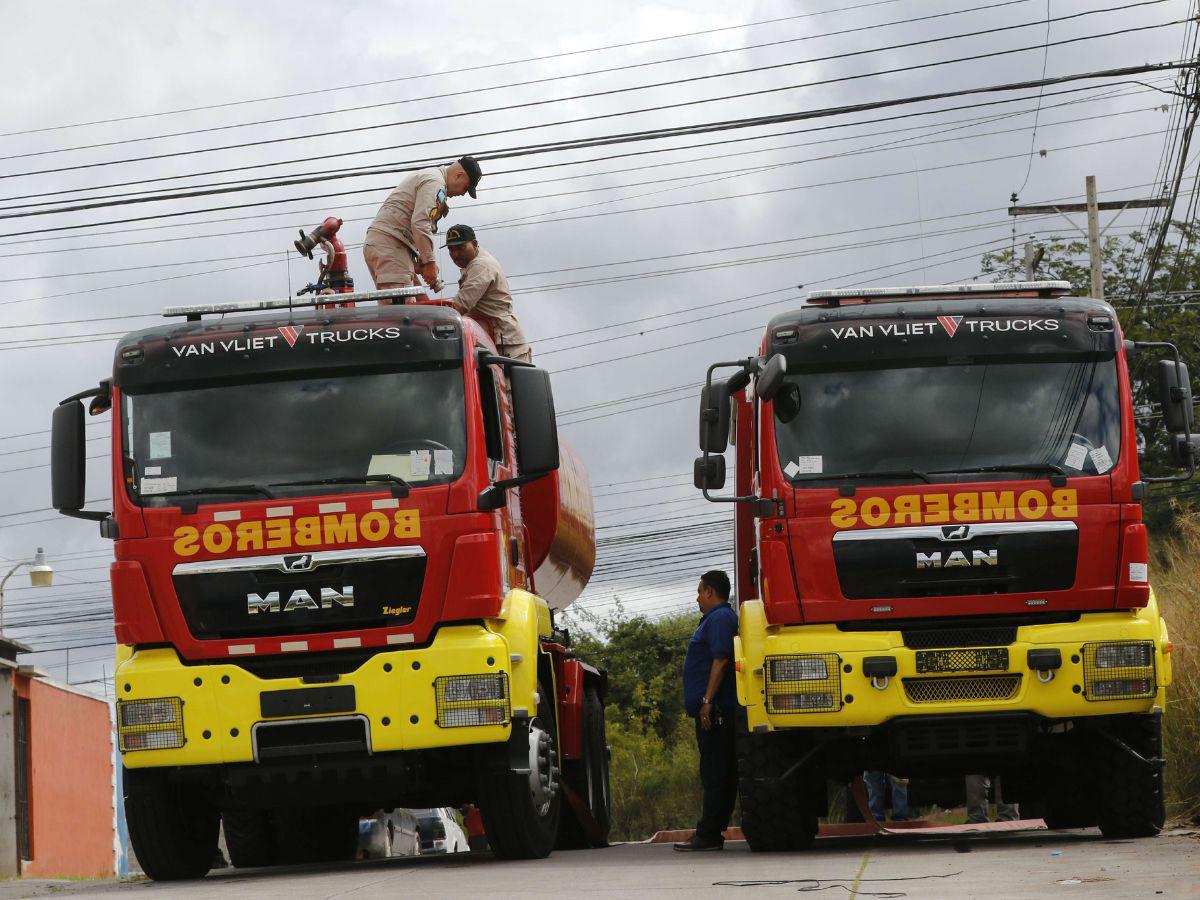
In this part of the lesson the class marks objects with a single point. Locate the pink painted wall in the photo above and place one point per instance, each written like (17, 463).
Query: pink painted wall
(71, 791)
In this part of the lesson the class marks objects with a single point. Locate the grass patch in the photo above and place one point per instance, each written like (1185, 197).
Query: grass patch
(1177, 585)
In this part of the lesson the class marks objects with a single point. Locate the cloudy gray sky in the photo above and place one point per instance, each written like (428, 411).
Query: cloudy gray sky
(635, 264)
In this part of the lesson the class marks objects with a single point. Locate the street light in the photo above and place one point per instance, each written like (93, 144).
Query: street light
(40, 575)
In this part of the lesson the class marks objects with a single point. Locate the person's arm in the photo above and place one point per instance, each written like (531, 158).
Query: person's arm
(422, 225)
(715, 675)
(476, 280)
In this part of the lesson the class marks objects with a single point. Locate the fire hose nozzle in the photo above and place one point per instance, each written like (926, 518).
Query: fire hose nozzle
(323, 232)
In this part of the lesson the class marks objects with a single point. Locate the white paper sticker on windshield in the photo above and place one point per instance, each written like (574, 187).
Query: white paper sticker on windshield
(443, 462)
(1101, 460)
(418, 463)
(791, 470)
(811, 465)
(1075, 456)
(160, 445)
(152, 470)
(159, 485)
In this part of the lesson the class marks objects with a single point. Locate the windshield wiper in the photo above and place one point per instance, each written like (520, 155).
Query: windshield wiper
(225, 489)
(365, 479)
(893, 473)
(1042, 468)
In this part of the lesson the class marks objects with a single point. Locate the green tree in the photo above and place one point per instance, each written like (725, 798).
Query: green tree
(644, 661)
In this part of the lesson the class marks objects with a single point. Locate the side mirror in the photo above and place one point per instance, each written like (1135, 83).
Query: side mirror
(67, 473)
(533, 419)
(714, 417)
(787, 403)
(708, 472)
(770, 379)
(1175, 394)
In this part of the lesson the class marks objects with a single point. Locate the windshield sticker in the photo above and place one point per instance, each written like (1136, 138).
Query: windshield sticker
(791, 470)
(152, 470)
(418, 463)
(443, 462)
(1101, 460)
(160, 445)
(306, 531)
(949, 325)
(944, 509)
(810, 465)
(158, 485)
(1076, 456)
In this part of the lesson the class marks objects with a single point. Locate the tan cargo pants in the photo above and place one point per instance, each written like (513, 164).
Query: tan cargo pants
(390, 261)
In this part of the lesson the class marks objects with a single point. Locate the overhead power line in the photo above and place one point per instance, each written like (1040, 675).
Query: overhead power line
(458, 71)
(682, 104)
(553, 79)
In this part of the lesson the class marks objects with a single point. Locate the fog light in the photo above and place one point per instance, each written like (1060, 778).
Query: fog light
(1121, 689)
(464, 700)
(802, 702)
(155, 724)
(798, 668)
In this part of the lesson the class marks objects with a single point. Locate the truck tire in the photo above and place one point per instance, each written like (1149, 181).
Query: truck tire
(1129, 791)
(776, 815)
(518, 826)
(589, 778)
(251, 838)
(172, 827)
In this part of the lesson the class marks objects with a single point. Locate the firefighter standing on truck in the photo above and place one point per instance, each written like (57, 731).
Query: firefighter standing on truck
(399, 243)
(483, 293)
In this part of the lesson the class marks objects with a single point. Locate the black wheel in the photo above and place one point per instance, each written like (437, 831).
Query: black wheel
(776, 815)
(1129, 791)
(251, 838)
(521, 812)
(172, 827)
(588, 777)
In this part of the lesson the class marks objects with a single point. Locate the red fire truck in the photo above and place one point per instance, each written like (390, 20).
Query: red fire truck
(941, 561)
(341, 536)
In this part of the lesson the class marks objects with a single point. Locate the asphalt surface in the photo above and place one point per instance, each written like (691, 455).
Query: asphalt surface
(1027, 864)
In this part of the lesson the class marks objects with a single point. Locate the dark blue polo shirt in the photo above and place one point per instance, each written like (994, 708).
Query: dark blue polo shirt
(713, 640)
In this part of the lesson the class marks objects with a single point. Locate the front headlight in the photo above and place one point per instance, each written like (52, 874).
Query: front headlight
(155, 724)
(1119, 670)
(464, 700)
(803, 683)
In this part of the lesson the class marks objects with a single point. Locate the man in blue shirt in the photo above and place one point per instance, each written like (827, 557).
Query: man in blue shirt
(710, 697)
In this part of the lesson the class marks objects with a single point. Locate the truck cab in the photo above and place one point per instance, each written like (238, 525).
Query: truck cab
(942, 564)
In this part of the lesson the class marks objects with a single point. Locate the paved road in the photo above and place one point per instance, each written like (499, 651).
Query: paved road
(1029, 864)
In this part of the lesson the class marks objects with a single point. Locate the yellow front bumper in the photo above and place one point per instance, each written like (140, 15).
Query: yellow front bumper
(394, 691)
(865, 704)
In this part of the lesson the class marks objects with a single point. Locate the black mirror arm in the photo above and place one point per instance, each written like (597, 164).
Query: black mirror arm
(492, 497)
(764, 506)
(486, 358)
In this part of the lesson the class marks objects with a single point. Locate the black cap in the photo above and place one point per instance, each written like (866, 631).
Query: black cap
(471, 167)
(459, 234)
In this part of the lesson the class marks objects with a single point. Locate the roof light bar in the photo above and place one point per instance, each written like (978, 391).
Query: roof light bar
(939, 290)
(213, 309)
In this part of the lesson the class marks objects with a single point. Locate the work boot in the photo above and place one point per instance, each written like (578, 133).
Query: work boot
(696, 842)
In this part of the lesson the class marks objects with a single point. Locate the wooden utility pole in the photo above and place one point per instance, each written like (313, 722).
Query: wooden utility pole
(1094, 232)
(1093, 220)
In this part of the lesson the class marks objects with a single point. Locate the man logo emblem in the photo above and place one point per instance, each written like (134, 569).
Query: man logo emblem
(956, 532)
(299, 563)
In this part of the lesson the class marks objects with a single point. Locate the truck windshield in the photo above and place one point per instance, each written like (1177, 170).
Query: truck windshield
(332, 434)
(1010, 418)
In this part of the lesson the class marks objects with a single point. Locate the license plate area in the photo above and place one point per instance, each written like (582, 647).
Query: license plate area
(325, 700)
(972, 659)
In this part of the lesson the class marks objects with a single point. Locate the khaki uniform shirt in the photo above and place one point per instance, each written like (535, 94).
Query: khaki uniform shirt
(483, 293)
(409, 214)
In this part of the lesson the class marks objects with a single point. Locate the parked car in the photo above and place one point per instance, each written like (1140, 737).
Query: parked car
(440, 831)
(388, 833)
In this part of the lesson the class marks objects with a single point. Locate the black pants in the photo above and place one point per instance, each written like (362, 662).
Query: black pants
(718, 774)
